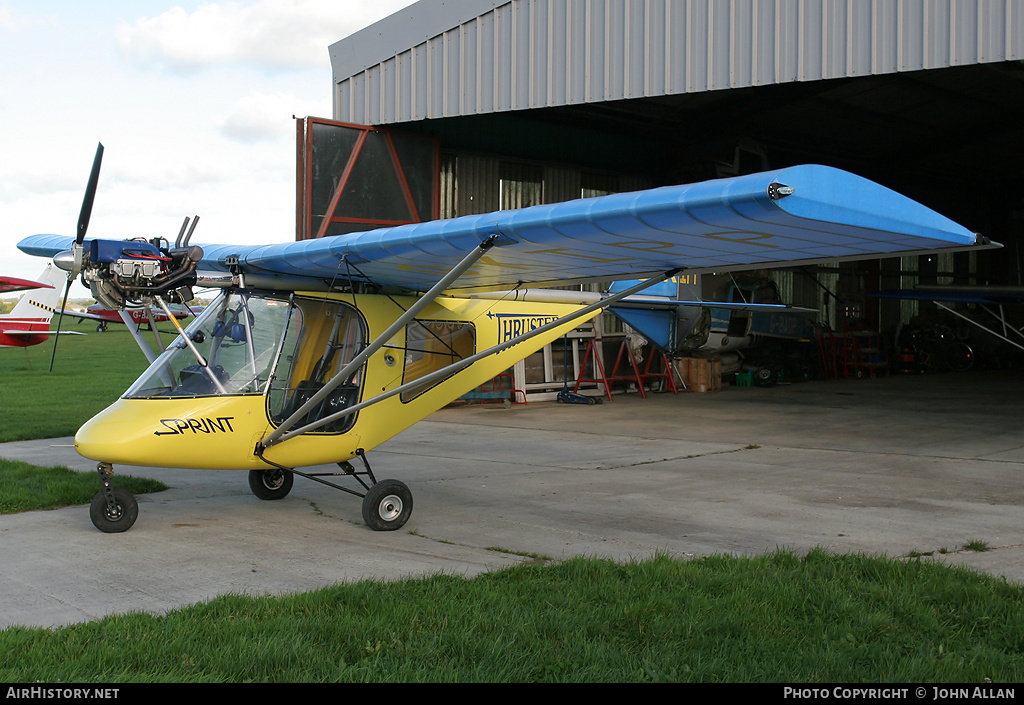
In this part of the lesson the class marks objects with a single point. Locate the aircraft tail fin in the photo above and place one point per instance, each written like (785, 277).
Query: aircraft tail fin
(41, 303)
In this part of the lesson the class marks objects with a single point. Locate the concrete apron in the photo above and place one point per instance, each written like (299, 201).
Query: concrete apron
(899, 466)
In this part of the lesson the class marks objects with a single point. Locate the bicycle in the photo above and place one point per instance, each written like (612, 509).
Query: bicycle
(937, 349)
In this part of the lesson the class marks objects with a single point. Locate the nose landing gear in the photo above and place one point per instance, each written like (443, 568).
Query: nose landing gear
(113, 509)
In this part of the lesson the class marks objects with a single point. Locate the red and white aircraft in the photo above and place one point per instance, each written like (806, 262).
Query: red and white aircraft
(28, 323)
(140, 316)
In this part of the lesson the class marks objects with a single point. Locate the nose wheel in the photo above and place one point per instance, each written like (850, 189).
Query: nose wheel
(113, 509)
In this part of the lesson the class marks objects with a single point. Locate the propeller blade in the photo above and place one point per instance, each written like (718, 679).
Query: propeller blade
(60, 319)
(83, 225)
(90, 195)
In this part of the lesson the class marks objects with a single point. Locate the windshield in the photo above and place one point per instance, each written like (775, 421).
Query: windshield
(230, 349)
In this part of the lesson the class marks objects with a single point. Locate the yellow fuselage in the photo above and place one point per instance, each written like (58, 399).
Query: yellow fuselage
(222, 430)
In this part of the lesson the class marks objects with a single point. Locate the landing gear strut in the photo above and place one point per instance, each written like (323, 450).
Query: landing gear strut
(113, 509)
(387, 504)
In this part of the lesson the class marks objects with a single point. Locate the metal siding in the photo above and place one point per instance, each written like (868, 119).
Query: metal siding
(522, 77)
(833, 33)
(374, 106)
(419, 97)
(469, 89)
(558, 48)
(656, 44)
(937, 48)
(537, 53)
(742, 57)
(453, 73)
(436, 88)
(575, 55)
(698, 25)
(763, 30)
(542, 52)
(389, 87)
(503, 73)
(722, 44)
(885, 51)
(860, 40)
(812, 42)
(404, 74)
(965, 31)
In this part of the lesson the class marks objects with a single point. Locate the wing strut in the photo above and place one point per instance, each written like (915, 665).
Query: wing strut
(133, 328)
(399, 324)
(281, 434)
(1001, 318)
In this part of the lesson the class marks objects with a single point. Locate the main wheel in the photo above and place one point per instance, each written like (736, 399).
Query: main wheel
(271, 484)
(387, 505)
(120, 517)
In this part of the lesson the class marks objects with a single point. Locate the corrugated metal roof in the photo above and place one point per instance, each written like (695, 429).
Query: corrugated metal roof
(445, 58)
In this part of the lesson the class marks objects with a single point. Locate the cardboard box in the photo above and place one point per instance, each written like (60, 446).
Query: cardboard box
(700, 374)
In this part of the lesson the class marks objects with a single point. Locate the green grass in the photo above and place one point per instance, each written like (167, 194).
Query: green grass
(25, 487)
(778, 618)
(90, 372)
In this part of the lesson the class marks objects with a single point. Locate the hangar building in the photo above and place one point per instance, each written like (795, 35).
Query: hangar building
(539, 101)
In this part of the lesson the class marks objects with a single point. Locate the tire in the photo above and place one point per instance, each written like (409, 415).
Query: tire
(766, 377)
(271, 484)
(959, 357)
(387, 505)
(117, 520)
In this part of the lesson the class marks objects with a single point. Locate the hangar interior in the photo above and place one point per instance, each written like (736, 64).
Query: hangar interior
(539, 101)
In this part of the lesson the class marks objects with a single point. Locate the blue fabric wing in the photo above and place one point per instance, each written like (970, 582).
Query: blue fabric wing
(822, 213)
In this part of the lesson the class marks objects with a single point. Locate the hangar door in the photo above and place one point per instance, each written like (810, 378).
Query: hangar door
(352, 178)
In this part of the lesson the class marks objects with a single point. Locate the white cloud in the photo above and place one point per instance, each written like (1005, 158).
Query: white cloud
(272, 34)
(14, 187)
(261, 117)
(13, 21)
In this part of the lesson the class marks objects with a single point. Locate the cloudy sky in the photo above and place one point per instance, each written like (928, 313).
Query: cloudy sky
(193, 103)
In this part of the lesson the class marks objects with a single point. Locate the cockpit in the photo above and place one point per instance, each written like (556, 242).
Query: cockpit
(256, 344)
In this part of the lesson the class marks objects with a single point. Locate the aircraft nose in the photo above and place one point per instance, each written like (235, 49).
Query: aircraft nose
(188, 432)
(95, 439)
(118, 434)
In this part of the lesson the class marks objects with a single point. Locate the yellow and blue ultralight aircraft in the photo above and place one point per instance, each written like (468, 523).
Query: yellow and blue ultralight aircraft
(318, 351)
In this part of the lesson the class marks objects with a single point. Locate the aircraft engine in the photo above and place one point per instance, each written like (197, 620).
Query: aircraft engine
(122, 273)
